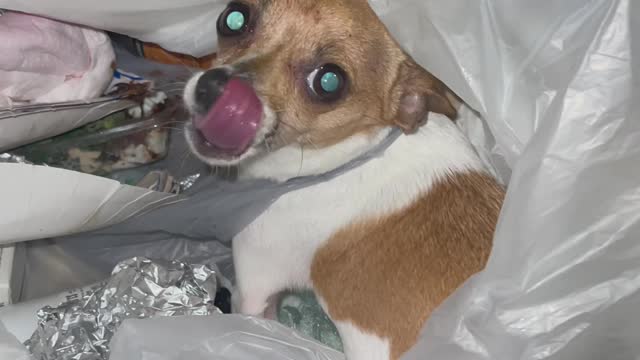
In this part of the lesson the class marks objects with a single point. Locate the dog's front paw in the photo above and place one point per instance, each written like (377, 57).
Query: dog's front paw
(236, 301)
(271, 311)
(250, 305)
(253, 307)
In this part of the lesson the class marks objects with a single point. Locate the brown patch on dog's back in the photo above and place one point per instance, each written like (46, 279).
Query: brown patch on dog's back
(387, 275)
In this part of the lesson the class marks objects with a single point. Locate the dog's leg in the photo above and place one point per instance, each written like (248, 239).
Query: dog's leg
(360, 345)
(271, 312)
(251, 296)
(252, 303)
(260, 274)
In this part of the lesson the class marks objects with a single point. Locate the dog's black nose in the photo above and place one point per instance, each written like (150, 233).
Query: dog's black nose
(210, 86)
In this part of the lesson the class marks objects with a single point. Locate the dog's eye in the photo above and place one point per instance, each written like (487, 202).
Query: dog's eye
(234, 20)
(327, 82)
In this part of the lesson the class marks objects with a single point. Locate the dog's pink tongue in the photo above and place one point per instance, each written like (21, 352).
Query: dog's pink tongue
(233, 121)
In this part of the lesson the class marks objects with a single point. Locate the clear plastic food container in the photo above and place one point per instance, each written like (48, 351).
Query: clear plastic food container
(117, 142)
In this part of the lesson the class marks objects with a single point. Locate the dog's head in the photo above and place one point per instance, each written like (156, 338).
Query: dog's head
(298, 80)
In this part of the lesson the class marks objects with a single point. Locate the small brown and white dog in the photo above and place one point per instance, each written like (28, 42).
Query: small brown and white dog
(303, 87)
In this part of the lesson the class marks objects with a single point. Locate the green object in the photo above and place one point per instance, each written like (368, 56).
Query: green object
(114, 143)
(301, 312)
(330, 82)
(235, 20)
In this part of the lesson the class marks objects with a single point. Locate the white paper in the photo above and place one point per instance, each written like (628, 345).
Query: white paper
(40, 202)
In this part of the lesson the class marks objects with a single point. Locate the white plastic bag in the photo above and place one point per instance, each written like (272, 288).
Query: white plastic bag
(185, 26)
(226, 337)
(46, 61)
(554, 81)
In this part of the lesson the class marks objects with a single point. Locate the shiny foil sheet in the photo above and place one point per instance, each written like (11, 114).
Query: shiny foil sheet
(81, 329)
(10, 158)
(188, 182)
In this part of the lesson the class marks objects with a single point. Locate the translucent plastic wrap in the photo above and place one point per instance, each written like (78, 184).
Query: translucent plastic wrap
(554, 81)
(553, 84)
(229, 337)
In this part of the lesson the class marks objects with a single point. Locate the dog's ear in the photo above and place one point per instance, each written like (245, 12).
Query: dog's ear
(414, 94)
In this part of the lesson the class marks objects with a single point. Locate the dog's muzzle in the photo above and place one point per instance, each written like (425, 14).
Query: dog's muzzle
(227, 112)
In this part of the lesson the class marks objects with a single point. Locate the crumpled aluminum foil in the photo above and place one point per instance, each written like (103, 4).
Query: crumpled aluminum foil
(81, 329)
(10, 158)
(188, 182)
(162, 181)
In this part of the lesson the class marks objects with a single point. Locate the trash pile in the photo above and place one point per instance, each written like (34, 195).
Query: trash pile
(46, 61)
(79, 110)
(81, 328)
(94, 171)
(109, 105)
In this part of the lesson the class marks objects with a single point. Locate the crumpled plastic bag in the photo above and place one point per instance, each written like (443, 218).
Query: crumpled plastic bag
(557, 84)
(219, 337)
(46, 61)
(185, 26)
(554, 85)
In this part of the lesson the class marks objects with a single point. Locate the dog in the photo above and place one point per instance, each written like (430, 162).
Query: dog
(302, 88)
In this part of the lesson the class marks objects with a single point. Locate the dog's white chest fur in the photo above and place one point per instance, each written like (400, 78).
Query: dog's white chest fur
(275, 252)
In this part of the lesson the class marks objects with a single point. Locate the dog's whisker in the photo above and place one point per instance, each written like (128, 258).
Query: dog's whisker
(171, 90)
(170, 128)
(183, 161)
(308, 141)
(176, 122)
(290, 126)
(186, 66)
(267, 144)
(171, 84)
(301, 159)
